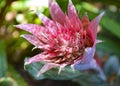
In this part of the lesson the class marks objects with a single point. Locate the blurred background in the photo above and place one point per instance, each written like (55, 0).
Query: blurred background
(14, 49)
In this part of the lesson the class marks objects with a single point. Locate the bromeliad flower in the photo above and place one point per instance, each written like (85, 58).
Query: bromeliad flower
(65, 40)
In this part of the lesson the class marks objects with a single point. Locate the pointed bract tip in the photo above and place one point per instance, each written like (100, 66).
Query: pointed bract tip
(17, 26)
(22, 36)
(59, 72)
(26, 63)
(37, 13)
(39, 73)
(24, 67)
(60, 69)
(86, 14)
(72, 67)
(98, 18)
(14, 25)
(51, 1)
(70, 1)
(99, 41)
(101, 14)
(34, 48)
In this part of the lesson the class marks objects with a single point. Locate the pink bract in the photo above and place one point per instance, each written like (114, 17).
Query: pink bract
(65, 40)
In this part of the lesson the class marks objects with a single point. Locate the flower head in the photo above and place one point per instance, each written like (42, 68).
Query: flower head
(65, 40)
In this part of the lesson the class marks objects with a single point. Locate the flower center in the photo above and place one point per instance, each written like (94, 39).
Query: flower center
(70, 51)
(69, 56)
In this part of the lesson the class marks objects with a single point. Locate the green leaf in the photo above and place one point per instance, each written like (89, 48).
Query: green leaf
(3, 61)
(90, 80)
(16, 76)
(66, 74)
(109, 44)
(117, 83)
(63, 4)
(111, 25)
(89, 7)
(7, 81)
(109, 67)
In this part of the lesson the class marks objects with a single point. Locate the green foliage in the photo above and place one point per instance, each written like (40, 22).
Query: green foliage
(111, 68)
(109, 45)
(3, 61)
(7, 81)
(89, 7)
(91, 80)
(111, 25)
(66, 74)
(14, 49)
(16, 76)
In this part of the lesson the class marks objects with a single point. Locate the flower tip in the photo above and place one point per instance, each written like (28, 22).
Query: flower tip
(34, 48)
(24, 67)
(60, 69)
(72, 67)
(39, 14)
(26, 63)
(86, 14)
(51, 1)
(36, 12)
(39, 73)
(22, 36)
(70, 1)
(15, 25)
(101, 14)
(99, 41)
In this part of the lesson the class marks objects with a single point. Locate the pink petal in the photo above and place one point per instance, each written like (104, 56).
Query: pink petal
(32, 39)
(85, 22)
(45, 20)
(44, 57)
(85, 25)
(94, 24)
(37, 58)
(36, 30)
(46, 67)
(32, 28)
(36, 42)
(73, 16)
(56, 12)
(71, 10)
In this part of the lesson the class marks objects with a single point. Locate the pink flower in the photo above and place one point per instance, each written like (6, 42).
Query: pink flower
(65, 40)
